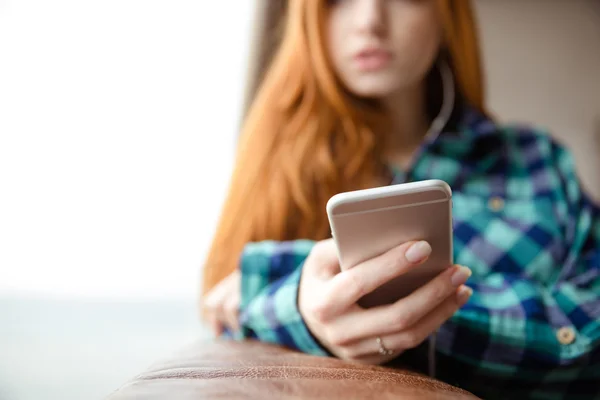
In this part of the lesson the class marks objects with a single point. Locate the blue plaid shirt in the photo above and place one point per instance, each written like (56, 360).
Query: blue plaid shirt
(531, 236)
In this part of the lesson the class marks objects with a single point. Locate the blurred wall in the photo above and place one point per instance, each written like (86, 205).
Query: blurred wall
(543, 65)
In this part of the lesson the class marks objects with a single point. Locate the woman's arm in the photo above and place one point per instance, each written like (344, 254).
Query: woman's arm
(317, 301)
(270, 273)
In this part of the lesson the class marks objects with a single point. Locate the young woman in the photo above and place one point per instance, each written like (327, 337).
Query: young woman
(364, 93)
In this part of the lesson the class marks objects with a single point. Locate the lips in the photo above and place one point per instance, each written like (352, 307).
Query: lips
(372, 59)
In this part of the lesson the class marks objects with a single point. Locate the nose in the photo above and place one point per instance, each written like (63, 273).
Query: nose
(370, 16)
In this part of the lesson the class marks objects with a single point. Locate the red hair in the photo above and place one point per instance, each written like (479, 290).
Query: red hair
(304, 139)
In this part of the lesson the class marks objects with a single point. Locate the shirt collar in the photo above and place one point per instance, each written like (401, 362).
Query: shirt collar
(474, 123)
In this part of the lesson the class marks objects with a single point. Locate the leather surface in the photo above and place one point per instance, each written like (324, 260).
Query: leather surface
(253, 370)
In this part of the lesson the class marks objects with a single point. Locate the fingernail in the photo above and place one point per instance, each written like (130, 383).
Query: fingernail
(418, 252)
(460, 276)
(464, 293)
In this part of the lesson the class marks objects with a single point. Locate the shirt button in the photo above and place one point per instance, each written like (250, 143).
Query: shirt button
(496, 204)
(565, 335)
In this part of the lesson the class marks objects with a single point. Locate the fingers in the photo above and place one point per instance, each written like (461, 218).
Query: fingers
(438, 317)
(231, 311)
(215, 326)
(222, 305)
(210, 305)
(425, 299)
(406, 312)
(349, 286)
(398, 342)
(211, 318)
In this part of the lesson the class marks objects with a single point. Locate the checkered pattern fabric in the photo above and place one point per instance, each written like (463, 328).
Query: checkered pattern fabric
(531, 236)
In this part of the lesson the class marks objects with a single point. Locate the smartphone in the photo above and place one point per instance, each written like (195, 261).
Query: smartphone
(367, 223)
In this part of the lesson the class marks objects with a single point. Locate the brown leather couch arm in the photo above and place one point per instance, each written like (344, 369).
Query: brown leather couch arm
(253, 370)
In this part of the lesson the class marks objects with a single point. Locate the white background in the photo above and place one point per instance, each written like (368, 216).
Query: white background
(117, 124)
(117, 130)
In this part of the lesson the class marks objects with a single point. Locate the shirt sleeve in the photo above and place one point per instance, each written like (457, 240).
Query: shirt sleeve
(516, 327)
(270, 276)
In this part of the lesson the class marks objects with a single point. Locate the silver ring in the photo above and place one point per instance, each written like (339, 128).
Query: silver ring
(384, 351)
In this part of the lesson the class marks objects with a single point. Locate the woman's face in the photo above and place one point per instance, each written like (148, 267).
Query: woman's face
(381, 47)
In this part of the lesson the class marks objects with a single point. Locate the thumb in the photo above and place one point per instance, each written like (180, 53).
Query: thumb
(323, 259)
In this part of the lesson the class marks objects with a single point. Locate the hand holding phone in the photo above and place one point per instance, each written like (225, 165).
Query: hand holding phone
(328, 300)
(367, 223)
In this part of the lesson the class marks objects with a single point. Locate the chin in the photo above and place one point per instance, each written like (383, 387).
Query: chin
(373, 91)
(375, 86)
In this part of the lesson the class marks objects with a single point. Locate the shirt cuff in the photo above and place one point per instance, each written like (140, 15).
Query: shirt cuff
(273, 316)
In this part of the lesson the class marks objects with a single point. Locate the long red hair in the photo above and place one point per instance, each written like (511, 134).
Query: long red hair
(304, 139)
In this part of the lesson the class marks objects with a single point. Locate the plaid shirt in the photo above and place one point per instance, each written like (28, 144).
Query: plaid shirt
(531, 236)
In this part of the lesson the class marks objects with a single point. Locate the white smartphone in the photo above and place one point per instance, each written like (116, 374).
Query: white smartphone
(367, 223)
